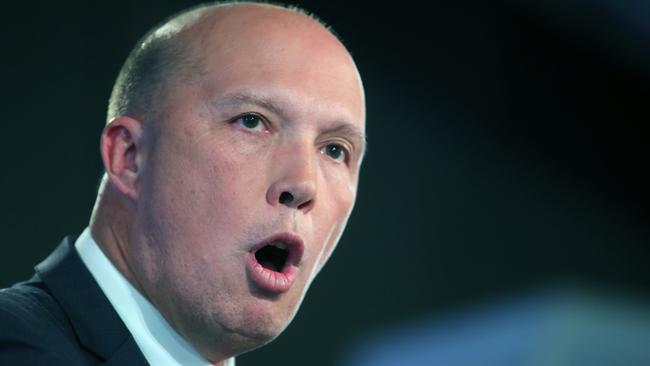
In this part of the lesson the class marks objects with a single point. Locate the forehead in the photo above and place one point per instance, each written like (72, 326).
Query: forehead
(281, 54)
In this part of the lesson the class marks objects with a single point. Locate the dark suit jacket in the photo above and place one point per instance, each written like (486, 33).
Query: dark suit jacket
(61, 317)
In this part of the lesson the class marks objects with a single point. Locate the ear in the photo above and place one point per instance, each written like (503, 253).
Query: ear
(121, 147)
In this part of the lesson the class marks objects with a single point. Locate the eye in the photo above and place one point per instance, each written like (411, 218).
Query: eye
(250, 121)
(336, 152)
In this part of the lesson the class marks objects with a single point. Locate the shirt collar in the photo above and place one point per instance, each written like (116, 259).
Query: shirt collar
(158, 341)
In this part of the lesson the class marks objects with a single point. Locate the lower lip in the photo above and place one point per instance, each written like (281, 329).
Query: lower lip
(268, 279)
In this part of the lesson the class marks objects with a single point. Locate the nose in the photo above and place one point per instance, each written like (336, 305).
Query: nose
(295, 185)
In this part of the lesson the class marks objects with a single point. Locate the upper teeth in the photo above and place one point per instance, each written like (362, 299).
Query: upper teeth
(279, 244)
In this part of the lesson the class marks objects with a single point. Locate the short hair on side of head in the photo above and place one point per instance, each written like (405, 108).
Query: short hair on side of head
(161, 56)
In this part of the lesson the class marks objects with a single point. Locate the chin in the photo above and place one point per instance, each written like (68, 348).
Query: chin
(264, 326)
(226, 337)
(250, 335)
(256, 323)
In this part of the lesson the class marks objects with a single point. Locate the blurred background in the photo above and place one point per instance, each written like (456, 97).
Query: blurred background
(505, 184)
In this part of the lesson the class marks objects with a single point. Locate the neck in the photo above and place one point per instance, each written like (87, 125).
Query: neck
(109, 226)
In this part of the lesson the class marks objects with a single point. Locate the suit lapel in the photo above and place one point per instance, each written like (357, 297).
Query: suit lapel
(96, 323)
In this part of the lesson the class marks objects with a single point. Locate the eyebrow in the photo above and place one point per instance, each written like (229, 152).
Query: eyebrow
(234, 99)
(347, 129)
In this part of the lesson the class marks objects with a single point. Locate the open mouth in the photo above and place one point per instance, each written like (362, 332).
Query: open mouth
(273, 256)
(273, 263)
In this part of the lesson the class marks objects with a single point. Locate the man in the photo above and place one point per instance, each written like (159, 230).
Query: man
(232, 151)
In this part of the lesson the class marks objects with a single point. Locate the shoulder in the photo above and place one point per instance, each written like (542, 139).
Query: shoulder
(29, 307)
(33, 327)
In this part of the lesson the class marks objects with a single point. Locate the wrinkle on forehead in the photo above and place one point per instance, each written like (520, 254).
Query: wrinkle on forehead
(242, 42)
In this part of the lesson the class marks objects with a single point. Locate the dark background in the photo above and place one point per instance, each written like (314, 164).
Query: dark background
(508, 149)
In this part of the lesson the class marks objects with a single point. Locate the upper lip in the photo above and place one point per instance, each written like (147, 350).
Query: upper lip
(294, 243)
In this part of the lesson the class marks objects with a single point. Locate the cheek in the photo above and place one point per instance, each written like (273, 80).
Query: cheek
(195, 223)
(212, 190)
(180, 201)
(338, 190)
(334, 215)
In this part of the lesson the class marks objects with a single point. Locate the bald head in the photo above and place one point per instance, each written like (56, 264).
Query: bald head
(171, 52)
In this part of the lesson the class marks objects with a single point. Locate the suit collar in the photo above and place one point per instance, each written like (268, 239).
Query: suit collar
(96, 323)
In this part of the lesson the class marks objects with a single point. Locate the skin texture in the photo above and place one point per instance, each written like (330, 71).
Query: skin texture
(185, 199)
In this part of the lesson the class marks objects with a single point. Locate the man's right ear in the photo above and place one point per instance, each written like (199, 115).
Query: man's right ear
(121, 149)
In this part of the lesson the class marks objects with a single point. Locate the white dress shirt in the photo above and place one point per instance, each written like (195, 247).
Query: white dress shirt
(157, 340)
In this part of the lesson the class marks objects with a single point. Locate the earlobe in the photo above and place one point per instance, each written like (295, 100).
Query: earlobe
(121, 149)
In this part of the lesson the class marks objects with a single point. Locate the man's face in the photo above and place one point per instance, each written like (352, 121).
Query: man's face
(250, 178)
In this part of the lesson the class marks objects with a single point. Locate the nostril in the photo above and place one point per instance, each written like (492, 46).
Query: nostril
(286, 198)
